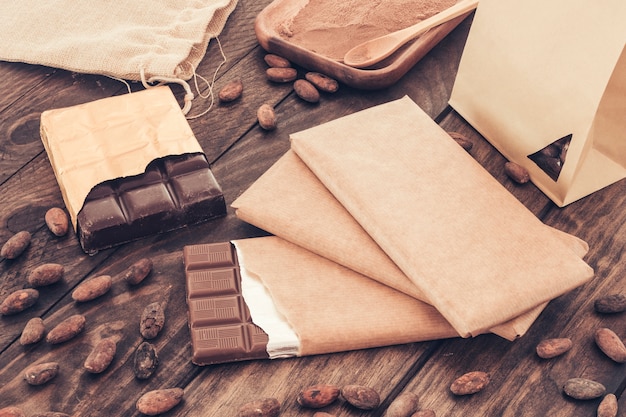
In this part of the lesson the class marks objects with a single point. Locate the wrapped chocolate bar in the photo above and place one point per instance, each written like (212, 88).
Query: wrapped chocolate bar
(265, 297)
(128, 167)
(475, 252)
(290, 202)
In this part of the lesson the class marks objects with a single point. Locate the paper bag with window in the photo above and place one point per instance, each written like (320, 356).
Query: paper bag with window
(545, 83)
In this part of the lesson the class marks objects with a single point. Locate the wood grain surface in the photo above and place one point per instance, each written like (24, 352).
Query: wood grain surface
(239, 151)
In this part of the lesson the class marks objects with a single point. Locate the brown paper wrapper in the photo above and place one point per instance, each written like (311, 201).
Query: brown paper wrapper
(477, 254)
(290, 202)
(112, 138)
(330, 306)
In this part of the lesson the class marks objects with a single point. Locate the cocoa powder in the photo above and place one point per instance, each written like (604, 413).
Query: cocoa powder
(331, 28)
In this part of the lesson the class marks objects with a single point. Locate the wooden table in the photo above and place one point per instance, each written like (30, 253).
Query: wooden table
(239, 151)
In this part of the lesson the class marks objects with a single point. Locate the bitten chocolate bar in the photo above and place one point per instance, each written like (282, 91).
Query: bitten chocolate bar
(129, 166)
(174, 192)
(219, 321)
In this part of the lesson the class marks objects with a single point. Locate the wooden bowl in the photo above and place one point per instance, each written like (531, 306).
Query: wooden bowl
(383, 74)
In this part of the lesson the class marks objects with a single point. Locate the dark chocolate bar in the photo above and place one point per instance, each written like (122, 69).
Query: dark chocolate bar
(173, 192)
(219, 321)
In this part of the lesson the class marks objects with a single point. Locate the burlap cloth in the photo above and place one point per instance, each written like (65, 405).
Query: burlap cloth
(157, 40)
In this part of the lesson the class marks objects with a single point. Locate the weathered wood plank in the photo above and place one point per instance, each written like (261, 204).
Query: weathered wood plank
(240, 152)
(17, 79)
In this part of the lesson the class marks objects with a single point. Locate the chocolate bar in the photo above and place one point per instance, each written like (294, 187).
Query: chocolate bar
(174, 191)
(219, 320)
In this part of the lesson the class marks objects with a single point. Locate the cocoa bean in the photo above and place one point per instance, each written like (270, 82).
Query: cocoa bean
(306, 91)
(281, 75)
(33, 331)
(57, 221)
(322, 82)
(583, 389)
(266, 117)
(51, 414)
(152, 320)
(516, 172)
(12, 411)
(611, 344)
(46, 274)
(612, 303)
(101, 356)
(551, 151)
(265, 407)
(360, 396)
(159, 401)
(552, 166)
(67, 329)
(318, 396)
(19, 301)
(92, 288)
(550, 348)
(231, 91)
(563, 153)
(138, 271)
(15, 245)
(146, 361)
(403, 406)
(470, 383)
(462, 140)
(276, 61)
(608, 407)
(41, 373)
(322, 414)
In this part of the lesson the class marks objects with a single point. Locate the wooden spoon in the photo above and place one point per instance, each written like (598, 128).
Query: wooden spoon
(375, 50)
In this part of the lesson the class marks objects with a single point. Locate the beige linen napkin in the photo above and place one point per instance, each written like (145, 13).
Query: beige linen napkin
(477, 254)
(290, 202)
(332, 308)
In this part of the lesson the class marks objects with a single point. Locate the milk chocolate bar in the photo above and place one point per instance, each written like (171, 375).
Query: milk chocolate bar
(174, 191)
(219, 321)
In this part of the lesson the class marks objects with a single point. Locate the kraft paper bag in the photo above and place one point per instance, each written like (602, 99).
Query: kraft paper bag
(290, 202)
(545, 83)
(479, 256)
(332, 308)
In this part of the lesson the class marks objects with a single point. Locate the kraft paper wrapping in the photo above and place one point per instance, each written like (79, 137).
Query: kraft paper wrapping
(524, 89)
(329, 306)
(290, 202)
(478, 255)
(112, 138)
